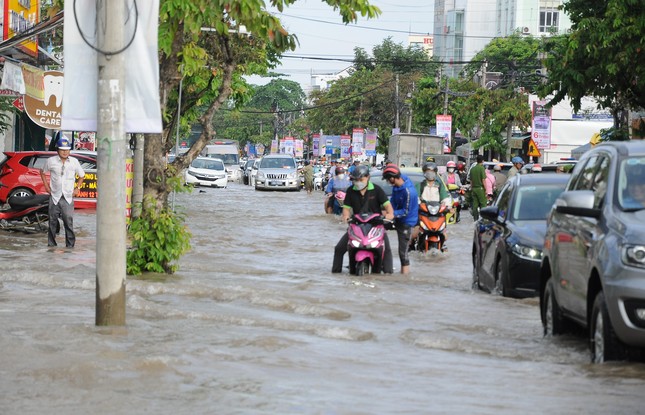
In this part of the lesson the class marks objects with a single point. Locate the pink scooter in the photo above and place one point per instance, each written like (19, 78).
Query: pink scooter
(366, 246)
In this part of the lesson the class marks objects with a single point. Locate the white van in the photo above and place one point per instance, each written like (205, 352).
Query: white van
(229, 152)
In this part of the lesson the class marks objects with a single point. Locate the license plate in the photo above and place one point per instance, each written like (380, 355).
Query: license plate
(276, 183)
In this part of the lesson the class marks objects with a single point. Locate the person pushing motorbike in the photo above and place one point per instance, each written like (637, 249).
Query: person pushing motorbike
(363, 197)
(405, 203)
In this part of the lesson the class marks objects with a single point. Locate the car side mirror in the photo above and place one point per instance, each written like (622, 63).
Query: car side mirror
(489, 213)
(577, 203)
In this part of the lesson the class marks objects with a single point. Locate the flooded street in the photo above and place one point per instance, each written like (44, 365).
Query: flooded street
(255, 323)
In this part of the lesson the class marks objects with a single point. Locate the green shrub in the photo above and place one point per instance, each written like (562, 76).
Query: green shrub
(158, 238)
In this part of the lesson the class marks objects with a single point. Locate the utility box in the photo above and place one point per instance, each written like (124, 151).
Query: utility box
(408, 148)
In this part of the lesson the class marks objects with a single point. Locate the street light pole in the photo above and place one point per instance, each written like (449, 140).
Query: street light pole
(110, 207)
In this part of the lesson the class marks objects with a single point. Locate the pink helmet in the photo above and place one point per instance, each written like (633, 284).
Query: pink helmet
(451, 164)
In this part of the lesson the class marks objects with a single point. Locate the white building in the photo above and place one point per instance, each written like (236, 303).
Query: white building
(462, 28)
(323, 81)
(424, 42)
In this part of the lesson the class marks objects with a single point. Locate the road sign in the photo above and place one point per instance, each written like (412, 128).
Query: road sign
(532, 149)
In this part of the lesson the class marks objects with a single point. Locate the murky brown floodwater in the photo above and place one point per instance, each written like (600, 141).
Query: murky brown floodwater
(255, 323)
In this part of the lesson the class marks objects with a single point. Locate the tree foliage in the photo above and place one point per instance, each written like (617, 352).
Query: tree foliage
(367, 98)
(515, 57)
(602, 57)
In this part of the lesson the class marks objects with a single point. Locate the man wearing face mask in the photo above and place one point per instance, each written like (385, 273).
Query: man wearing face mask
(432, 189)
(363, 197)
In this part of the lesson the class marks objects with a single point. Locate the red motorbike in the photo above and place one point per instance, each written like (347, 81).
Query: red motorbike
(26, 214)
(366, 247)
(432, 226)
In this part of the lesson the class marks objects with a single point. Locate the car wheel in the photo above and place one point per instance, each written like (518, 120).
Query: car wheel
(501, 281)
(20, 192)
(552, 319)
(603, 341)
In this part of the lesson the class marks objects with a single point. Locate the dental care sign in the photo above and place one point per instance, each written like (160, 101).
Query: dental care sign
(44, 96)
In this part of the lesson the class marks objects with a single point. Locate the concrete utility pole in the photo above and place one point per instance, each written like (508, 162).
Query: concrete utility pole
(110, 207)
(445, 98)
(396, 100)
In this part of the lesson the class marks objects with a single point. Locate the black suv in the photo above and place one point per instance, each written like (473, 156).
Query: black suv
(593, 267)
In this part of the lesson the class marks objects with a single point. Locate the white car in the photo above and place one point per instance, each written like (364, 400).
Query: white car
(207, 171)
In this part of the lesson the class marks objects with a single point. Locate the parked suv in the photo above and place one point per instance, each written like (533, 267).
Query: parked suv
(20, 172)
(593, 266)
(277, 172)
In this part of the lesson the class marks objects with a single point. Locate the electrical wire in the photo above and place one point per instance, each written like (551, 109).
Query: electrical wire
(104, 52)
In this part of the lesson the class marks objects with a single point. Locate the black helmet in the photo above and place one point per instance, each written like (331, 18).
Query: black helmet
(430, 166)
(391, 171)
(360, 171)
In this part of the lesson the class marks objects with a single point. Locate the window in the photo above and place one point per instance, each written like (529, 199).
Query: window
(548, 21)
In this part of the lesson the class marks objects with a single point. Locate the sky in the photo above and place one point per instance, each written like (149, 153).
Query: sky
(322, 34)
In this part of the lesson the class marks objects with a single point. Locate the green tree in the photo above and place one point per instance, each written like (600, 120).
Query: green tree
(602, 57)
(515, 57)
(279, 101)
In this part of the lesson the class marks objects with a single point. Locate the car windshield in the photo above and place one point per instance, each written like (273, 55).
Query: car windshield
(631, 185)
(278, 163)
(534, 202)
(208, 164)
(228, 159)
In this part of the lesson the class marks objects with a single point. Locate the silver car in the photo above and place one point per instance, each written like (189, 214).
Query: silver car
(277, 172)
(593, 266)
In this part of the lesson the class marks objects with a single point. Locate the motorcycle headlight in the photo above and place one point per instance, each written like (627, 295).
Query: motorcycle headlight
(634, 255)
(356, 243)
(434, 209)
(527, 252)
(374, 244)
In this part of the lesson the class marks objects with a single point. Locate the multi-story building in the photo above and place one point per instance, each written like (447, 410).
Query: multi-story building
(424, 42)
(464, 27)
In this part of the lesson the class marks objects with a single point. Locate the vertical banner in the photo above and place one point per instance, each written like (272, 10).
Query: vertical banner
(300, 148)
(329, 145)
(80, 106)
(345, 146)
(287, 146)
(129, 185)
(357, 141)
(274, 146)
(541, 125)
(444, 129)
(259, 149)
(371, 138)
(315, 145)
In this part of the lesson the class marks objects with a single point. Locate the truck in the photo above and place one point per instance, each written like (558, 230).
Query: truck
(229, 152)
(411, 148)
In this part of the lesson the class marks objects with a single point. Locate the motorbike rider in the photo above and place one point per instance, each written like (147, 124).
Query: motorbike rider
(432, 189)
(364, 197)
(405, 202)
(517, 166)
(461, 171)
(338, 183)
(451, 176)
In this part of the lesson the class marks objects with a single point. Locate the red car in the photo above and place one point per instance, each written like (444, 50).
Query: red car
(20, 175)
